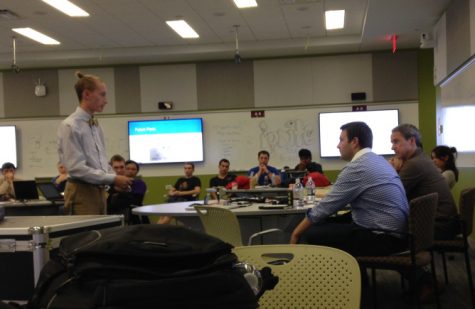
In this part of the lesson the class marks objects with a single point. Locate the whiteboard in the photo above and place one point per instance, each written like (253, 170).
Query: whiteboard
(234, 135)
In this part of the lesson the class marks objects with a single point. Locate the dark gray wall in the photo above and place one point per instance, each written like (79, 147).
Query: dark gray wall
(395, 76)
(458, 33)
(224, 85)
(19, 94)
(127, 90)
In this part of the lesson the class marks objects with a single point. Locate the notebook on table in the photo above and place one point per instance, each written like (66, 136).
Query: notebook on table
(50, 192)
(25, 190)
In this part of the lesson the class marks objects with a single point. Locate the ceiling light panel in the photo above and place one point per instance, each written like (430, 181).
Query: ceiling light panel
(67, 7)
(183, 29)
(36, 36)
(244, 4)
(334, 19)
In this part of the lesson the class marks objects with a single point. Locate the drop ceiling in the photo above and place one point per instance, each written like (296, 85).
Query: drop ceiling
(134, 31)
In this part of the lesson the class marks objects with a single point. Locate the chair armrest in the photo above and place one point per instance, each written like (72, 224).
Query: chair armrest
(262, 233)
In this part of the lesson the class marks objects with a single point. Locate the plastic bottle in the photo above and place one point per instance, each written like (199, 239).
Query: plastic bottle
(298, 193)
(310, 186)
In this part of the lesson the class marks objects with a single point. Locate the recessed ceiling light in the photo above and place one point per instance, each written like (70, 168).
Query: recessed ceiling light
(243, 4)
(36, 36)
(334, 19)
(183, 29)
(67, 8)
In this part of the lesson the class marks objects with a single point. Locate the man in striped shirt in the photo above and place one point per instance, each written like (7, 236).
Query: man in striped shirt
(373, 189)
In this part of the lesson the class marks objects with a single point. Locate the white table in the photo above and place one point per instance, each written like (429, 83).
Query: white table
(179, 209)
(251, 218)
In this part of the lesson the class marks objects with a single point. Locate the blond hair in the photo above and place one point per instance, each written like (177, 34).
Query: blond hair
(86, 81)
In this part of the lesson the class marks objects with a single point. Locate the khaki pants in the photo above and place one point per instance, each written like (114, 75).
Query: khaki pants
(84, 199)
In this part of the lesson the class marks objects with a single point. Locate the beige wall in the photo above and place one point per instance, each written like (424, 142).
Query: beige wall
(220, 85)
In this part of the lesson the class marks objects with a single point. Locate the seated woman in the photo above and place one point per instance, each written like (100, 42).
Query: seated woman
(444, 158)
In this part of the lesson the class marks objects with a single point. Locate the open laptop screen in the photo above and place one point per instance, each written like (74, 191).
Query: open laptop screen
(49, 191)
(25, 190)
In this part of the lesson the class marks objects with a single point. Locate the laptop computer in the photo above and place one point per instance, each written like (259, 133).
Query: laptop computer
(25, 190)
(50, 192)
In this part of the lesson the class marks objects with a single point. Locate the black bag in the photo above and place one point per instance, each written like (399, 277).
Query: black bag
(142, 266)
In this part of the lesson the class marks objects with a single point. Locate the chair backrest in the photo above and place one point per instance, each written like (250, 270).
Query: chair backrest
(315, 276)
(422, 220)
(220, 223)
(466, 205)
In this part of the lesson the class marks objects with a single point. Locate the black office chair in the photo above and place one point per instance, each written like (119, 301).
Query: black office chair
(421, 237)
(460, 244)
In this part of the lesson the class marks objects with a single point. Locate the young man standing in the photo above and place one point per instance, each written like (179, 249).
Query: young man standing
(81, 148)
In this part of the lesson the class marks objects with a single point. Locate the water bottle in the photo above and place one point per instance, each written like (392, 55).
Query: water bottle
(298, 193)
(310, 186)
(266, 180)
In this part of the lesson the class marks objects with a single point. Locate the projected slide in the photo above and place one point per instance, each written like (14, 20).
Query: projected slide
(166, 141)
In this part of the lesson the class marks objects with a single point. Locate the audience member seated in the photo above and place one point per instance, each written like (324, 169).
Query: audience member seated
(186, 188)
(117, 162)
(60, 180)
(264, 174)
(319, 179)
(118, 199)
(223, 177)
(306, 162)
(138, 187)
(240, 182)
(137, 192)
(420, 176)
(6, 181)
(376, 195)
(444, 158)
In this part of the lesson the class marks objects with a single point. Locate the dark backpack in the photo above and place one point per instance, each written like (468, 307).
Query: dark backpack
(142, 266)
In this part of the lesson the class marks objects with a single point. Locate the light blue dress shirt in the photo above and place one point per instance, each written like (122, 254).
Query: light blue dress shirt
(81, 149)
(373, 189)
